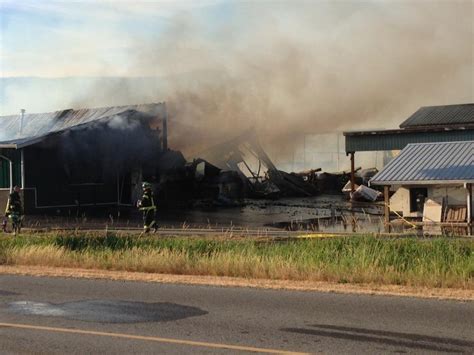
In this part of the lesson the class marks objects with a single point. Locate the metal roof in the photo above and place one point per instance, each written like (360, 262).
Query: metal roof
(430, 163)
(36, 126)
(441, 116)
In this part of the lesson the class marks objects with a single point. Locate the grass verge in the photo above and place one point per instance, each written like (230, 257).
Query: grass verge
(447, 263)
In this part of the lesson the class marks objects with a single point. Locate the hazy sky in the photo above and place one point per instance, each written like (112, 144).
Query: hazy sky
(285, 68)
(90, 38)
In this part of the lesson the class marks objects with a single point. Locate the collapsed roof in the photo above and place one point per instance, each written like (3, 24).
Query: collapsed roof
(231, 153)
(245, 155)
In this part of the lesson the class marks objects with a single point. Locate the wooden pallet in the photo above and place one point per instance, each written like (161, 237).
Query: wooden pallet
(456, 214)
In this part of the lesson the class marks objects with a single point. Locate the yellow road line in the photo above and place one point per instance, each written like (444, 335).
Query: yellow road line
(149, 338)
(318, 235)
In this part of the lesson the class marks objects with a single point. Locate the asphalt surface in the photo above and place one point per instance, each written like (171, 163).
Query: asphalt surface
(57, 316)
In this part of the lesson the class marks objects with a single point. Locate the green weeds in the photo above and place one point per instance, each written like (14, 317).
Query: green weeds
(359, 259)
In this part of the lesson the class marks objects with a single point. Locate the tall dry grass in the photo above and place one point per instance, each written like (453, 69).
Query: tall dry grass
(358, 259)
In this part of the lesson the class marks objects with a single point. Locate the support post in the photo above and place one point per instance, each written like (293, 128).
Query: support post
(469, 203)
(22, 152)
(11, 176)
(352, 171)
(386, 198)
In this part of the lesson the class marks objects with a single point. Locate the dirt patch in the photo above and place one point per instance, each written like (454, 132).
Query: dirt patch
(369, 289)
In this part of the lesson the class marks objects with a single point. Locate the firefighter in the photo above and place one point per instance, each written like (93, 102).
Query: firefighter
(14, 209)
(148, 207)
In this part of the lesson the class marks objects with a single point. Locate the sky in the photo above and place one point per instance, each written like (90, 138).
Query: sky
(87, 38)
(286, 68)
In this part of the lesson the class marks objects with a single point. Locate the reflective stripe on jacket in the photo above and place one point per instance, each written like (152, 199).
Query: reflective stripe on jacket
(148, 202)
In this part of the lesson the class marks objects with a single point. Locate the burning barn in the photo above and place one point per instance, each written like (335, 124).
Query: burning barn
(73, 159)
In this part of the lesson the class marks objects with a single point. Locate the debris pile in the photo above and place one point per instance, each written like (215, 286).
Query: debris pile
(262, 179)
(179, 180)
(240, 168)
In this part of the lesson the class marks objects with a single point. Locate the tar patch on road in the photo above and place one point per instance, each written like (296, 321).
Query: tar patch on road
(403, 340)
(105, 311)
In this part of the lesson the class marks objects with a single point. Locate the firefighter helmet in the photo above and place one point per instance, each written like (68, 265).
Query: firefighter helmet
(146, 185)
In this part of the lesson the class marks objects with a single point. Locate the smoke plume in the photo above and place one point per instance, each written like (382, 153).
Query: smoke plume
(289, 69)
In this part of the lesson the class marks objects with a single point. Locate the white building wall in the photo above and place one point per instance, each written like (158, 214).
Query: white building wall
(400, 201)
(454, 195)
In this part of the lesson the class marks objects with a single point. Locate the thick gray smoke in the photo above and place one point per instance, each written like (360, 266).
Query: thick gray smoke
(293, 68)
(318, 68)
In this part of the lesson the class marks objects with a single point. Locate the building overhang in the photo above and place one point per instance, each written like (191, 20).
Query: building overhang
(21, 143)
(397, 139)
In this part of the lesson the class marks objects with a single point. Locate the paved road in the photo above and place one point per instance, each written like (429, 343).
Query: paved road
(55, 315)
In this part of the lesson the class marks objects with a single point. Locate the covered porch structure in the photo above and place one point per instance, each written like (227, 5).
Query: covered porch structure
(431, 181)
(449, 123)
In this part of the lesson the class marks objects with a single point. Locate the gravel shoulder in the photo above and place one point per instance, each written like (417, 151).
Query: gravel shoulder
(367, 289)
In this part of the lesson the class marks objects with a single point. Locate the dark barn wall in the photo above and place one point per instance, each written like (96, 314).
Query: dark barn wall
(88, 167)
(51, 183)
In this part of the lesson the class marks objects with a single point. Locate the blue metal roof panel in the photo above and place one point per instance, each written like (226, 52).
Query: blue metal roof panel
(430, 162)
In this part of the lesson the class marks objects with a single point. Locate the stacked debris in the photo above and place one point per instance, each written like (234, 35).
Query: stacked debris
(179, 180)
(309, 176)
(334, 183)
(364, 193)
(261, 178)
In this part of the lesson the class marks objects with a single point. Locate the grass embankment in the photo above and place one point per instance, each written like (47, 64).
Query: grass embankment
(413, 262)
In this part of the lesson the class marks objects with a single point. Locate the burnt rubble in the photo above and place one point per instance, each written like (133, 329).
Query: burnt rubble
(238, 169)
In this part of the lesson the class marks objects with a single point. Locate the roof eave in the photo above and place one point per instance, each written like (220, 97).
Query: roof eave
(23, 144)
(416, 129)
(423, 182)
(9, 146)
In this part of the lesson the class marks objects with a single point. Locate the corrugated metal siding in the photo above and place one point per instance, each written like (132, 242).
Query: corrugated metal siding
(441, 115)
(397, 141)
(41, 124)
(453, 161)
